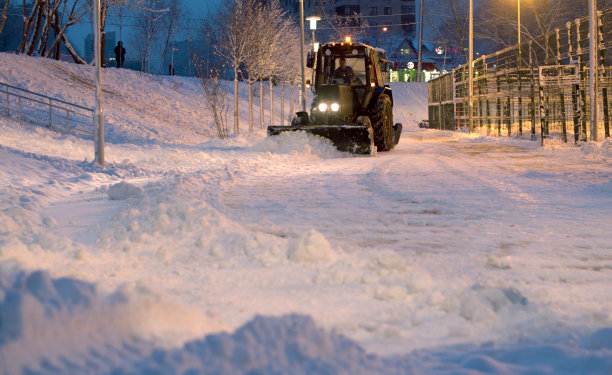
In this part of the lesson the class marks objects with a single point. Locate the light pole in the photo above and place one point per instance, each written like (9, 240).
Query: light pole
(470, 68)
(303, 88)
(420, 60)
(593, 68)
(98, 115)
(519, 31)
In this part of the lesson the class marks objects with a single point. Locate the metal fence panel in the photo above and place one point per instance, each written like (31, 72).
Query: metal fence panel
(537, 92)
(41, 110)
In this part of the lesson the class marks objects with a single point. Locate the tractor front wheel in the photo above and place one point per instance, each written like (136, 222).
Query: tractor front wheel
(382, 122)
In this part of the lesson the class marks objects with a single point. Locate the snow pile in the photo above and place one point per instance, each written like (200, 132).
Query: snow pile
(484, 303)
(50, 325)
(123, 190)
(311, 247)
(63, 326)
(299, 143)
(162, 211)
(606, 149)
(291, 344)
(590, 149)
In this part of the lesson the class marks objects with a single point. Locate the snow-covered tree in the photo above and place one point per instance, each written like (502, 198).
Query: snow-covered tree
(231, 40)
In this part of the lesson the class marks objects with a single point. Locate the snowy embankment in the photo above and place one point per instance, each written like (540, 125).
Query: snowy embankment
(453, 253)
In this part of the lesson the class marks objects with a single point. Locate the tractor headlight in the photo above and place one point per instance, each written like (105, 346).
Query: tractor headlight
(322, 107)
(335, 107)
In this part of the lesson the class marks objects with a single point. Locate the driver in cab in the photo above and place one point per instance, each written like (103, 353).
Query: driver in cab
(344, 72)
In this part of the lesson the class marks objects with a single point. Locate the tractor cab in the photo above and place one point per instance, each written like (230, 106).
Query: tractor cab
(345, 79)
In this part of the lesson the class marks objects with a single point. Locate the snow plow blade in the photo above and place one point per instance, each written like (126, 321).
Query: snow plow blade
(356, 139)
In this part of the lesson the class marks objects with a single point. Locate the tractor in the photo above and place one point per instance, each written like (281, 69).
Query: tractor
(352, 106)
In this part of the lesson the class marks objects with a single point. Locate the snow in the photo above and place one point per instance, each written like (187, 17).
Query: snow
(455, 253)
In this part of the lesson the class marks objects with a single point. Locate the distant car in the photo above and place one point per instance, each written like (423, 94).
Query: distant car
(424, 124)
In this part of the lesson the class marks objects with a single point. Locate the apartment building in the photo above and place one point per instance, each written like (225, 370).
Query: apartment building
(398, 16)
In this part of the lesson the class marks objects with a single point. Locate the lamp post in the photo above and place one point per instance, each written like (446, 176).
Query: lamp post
(303, 88)
(313, 26)
(420, 59)
(471, 68)
(519, 31)
(98, 115)
(593, 68)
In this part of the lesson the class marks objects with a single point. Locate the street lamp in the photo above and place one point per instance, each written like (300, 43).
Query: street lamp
(593, 68)
(519, 32)
(303, 88)
(471, 68)
(313, 26)
(98, 114)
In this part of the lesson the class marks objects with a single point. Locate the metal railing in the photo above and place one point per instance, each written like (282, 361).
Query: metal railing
(37, 109)
(538, 90)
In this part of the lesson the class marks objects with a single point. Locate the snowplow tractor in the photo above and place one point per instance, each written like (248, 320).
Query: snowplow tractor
(352, 106)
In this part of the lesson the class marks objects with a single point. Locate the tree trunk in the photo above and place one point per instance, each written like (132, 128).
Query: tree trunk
(166, 44)
(37, 30)
(291, 105)
(236, 118)
(44, 40)
(102, 49)
(27, 24)
(251, 106)
(57, 29)
(75, 56)
(261, 104)
(282, 121)
(271, 102)
(4, 13)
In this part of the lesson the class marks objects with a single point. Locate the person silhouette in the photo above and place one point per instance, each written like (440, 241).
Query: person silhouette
(120, 54)
(344, 72)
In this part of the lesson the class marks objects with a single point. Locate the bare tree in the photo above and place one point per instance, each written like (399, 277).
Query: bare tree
(498, 23)
(170, 19)
(340, 26)
(215, 95)
(147, 28)
(48, 16)
(255, 57)
(231, 33)
(452, 23)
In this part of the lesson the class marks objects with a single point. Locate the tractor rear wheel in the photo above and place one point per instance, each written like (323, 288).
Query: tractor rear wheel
(382, 122)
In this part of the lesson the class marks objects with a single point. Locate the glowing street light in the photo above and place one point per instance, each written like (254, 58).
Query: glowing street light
(313, 26)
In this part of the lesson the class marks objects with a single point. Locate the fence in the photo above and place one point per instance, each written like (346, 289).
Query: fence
(539, 90)
(37, 109)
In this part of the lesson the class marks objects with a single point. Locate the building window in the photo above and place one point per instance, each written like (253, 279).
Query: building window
(408, 19)
(348, 10)
(373, 11)
(408, 9)
(387, 11)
